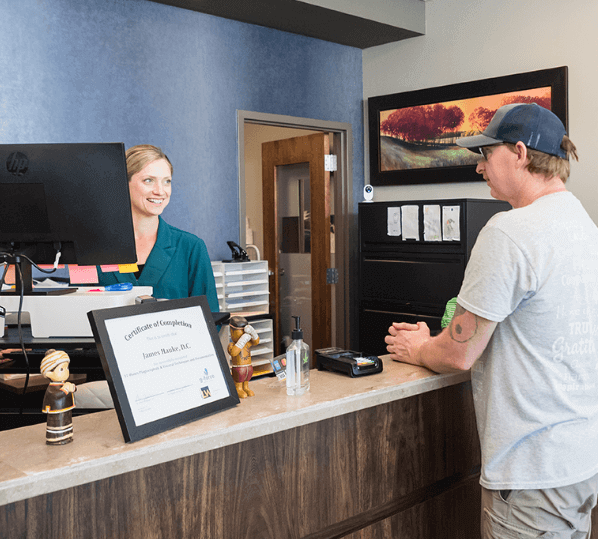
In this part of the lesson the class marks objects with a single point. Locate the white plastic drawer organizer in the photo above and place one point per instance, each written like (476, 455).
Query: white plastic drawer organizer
(242, 289)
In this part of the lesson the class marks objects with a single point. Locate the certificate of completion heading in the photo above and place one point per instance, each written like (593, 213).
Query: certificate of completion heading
(167, 362)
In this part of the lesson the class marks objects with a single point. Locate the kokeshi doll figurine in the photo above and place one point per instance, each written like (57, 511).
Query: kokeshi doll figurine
(59, 400)
(243, 336)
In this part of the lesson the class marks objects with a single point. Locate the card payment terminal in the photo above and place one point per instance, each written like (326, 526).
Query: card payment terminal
(348, 362)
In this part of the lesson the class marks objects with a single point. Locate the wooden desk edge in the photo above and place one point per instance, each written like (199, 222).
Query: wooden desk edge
(18, 483)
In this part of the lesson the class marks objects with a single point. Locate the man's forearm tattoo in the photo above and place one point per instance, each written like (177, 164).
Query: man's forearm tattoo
(457, 331)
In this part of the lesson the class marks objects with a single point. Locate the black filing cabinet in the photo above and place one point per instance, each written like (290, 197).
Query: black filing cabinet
(408, 273)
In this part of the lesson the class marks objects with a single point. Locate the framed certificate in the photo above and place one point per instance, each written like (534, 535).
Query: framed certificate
(164, 364)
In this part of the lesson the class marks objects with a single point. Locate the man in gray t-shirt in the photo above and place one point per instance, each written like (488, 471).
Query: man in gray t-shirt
(526, 324)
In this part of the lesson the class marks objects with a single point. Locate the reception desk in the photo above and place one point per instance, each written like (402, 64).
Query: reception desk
(390, 455)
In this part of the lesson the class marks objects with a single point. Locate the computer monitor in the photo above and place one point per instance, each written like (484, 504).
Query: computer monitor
(73, 198)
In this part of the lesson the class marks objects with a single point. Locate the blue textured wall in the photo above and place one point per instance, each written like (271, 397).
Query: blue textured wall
(136, 72)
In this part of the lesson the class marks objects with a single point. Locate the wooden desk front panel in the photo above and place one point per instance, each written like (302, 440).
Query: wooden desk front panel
(453, 514)
(395, 470)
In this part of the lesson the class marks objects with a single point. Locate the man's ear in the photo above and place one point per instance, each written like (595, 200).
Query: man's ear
(521, 151)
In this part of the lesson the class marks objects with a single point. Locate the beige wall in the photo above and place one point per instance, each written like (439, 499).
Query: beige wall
(475, 39)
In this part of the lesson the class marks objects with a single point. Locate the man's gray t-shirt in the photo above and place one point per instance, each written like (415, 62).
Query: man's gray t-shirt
(535, 271)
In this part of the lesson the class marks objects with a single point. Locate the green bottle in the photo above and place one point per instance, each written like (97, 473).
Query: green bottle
(449, 312)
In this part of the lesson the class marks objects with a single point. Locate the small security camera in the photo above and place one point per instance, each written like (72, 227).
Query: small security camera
(368, 193)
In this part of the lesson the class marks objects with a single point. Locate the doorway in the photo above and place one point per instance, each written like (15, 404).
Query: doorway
(253, 130)
(297, 213)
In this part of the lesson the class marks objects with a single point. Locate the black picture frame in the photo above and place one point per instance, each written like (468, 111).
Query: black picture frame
(555, 78)
(109, 324)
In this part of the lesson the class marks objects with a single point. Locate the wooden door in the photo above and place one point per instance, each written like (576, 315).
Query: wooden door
(309, 149)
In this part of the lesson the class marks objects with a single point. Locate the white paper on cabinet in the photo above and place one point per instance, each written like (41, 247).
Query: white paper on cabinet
(432, 229)
(450, 223)
(393, 221)
(410, 222)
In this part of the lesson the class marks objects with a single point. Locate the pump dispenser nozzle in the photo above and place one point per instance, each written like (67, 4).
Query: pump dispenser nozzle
(297, 333)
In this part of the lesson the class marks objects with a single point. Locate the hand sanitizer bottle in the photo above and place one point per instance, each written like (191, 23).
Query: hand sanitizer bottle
(297, 362)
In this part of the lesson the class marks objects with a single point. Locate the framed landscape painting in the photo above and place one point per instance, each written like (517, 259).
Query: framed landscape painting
(413, 134)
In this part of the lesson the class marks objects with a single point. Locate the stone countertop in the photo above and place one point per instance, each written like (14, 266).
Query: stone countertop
(29, 467)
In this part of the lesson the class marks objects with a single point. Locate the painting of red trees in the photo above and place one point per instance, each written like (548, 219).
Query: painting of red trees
(413, 134)
(423, 123)
(425, 136)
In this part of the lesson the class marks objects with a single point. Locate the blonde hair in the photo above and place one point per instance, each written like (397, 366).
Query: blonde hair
(550, 165)
(138, 157)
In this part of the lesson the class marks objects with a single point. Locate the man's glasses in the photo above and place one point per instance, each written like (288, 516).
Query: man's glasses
(487, 150)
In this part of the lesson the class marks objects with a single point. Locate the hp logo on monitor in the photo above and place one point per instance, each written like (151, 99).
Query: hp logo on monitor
(17, 163)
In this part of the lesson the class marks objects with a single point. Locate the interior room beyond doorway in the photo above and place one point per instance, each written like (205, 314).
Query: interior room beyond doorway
(256, 129)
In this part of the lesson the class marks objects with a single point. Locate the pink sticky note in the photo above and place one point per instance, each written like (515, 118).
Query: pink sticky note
(51, 266)
(10, 275)
(83, 274)
(108, 268)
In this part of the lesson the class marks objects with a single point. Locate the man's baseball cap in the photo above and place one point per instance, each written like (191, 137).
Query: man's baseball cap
(537, 127)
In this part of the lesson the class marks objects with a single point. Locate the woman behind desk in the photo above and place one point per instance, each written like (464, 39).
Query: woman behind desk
(174, 262)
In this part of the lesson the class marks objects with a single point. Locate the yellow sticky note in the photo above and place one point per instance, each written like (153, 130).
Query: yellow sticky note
(83, 274)
(127, 268)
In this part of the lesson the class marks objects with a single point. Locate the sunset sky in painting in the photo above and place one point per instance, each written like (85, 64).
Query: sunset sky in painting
(491, 102)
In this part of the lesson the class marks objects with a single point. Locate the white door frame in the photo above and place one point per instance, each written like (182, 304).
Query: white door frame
(343, 199)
